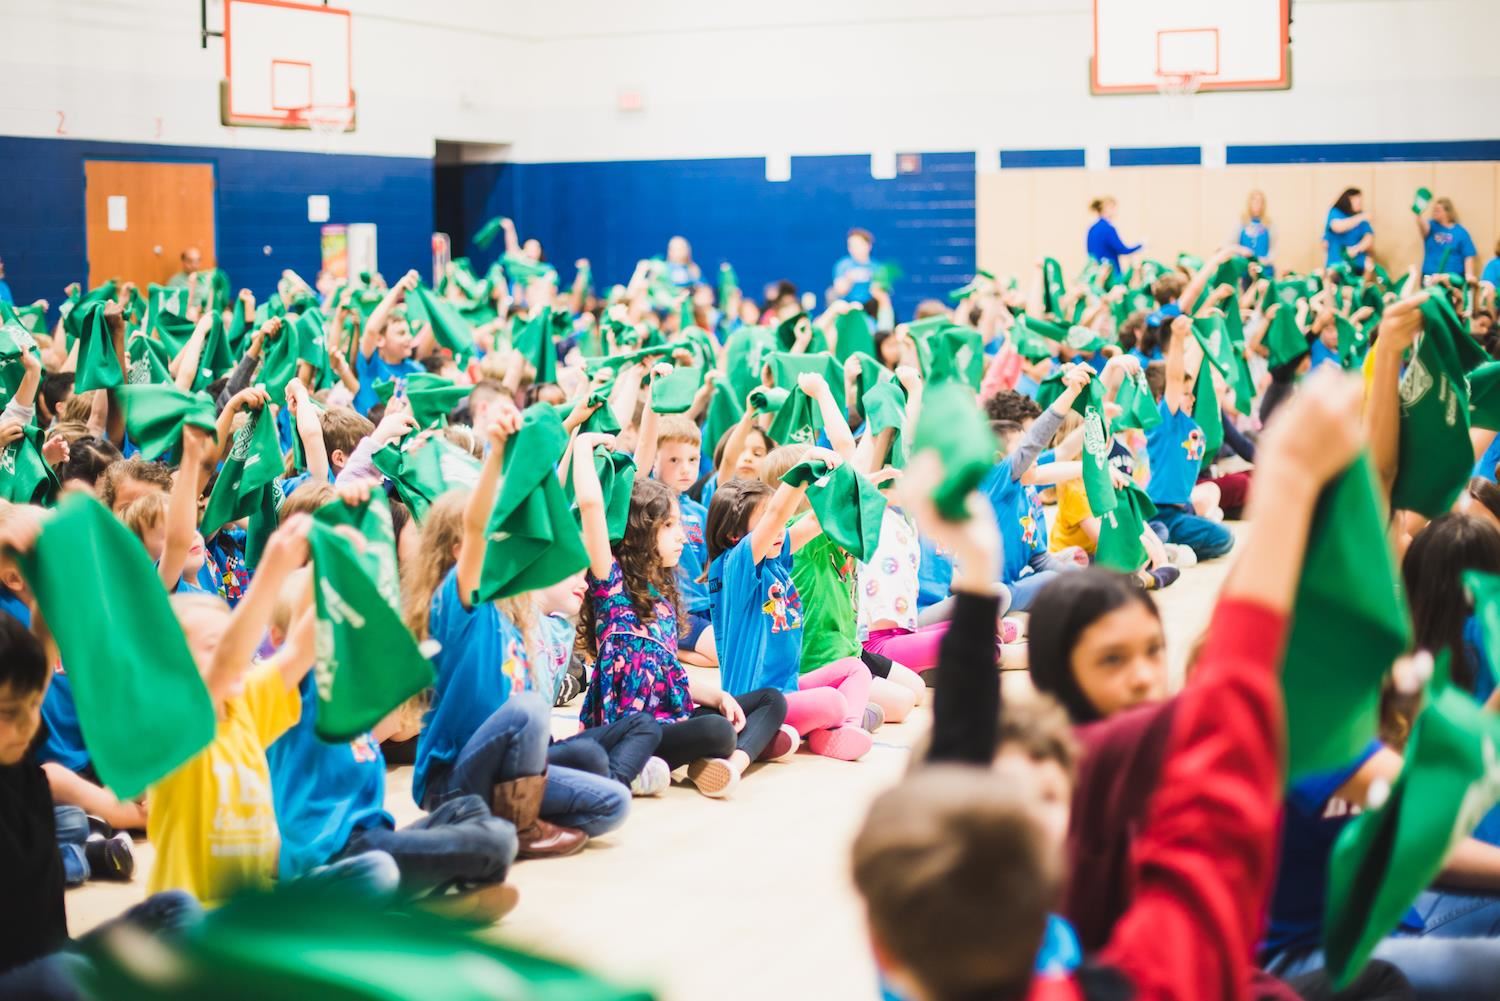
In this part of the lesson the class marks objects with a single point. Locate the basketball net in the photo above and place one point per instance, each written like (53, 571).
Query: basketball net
(326, 122)
(1179, 89)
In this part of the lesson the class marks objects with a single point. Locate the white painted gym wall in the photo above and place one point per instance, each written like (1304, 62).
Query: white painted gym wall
(720, 78)
(829, 76)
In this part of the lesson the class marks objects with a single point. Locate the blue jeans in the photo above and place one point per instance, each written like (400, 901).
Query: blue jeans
(72, 831)
(618, 750)
(56, 977)
(368, 873)
(460, 844)
(1208, 539)
(512, 744)
(1453, 958)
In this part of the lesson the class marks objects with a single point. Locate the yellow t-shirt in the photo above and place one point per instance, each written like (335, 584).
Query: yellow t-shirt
(212, 820)
(1072, 510)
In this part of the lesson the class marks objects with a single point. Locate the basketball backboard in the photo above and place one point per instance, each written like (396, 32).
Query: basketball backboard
(287, 65)
(1141, 46)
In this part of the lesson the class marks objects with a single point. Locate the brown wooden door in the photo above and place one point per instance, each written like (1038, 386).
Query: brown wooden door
(167, 208)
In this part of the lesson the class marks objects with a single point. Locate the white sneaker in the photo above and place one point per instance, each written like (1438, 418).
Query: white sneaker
(1181, 556)
(653, 780)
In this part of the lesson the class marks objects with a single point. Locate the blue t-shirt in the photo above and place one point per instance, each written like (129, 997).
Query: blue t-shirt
(1338, 241)
(1321, 354)
(14, 607)
(693, 589)
(1446, 249)
(482, 660)
(64, 743)
(5, 294)
(1175, 448)
(1059, 954)
(1485, 467)
(1256, 238)
(1311, 823)
(1491, 272)
(323, 792)
(860, 274)
(375, 369)
(1018, 513)
(934, 574)
(757, 617)
(681, 275)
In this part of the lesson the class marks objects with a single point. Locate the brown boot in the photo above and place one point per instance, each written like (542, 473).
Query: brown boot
(520, 802)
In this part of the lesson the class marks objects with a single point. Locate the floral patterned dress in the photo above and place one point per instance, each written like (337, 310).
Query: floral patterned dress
(637, 669)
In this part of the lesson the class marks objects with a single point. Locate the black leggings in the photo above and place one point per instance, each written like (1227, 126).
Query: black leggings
(709, 735)
(618, 750)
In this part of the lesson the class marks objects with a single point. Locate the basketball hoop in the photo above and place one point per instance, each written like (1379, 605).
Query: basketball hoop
(1179, 89)
(323, 121)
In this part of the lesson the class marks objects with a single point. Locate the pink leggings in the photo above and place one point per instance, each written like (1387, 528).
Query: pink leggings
(835, 695)
(918, 650)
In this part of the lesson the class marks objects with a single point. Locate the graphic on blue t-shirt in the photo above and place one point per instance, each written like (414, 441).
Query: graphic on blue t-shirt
(785, 609)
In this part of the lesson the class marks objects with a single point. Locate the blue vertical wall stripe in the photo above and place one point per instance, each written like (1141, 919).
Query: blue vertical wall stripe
(1155, 156)
(1034, 158)
(260, 200)
(615, 213)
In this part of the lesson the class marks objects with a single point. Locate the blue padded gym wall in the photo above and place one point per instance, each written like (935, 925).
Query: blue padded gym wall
(260, 200)
(615, 213)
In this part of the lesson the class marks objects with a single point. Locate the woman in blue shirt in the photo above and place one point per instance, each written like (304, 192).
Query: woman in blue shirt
(1492, 269)
(1447, 248)
(1104, 243)
(1255, 228)
(1348, 230)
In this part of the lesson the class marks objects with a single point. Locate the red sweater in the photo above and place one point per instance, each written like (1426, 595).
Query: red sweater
(1206, 860)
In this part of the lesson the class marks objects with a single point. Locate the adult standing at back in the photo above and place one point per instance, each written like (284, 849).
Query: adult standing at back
(681, 269)
(855, 271)
(1104, 243)
(1255, 228)
(1447, 247)
(1348, 231)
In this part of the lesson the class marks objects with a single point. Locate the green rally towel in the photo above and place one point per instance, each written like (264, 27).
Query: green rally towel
(952, 425)
(724, 412)
(849, 507)
(423, 469)
(246, 485)
(616, 472)
(69, 309)
(786, 334)
(884, 405)
(1436, 455)
(1387, 856)
(728, 285)
(1053, 287)
(1207, 416)
(1420, 201)
(952, 351)
(601, 421)
(1050, 388)
(673, 394)
(797, 420)
(1484, 396)
(536, 343)
(1098, 483)
(533, 541)
(25, 477)
(15, 340)
(98, 365)
(786, 367)
(1284, 339)
(856, 334)
(367, 661)
(432, 397)
(155, 416)
(744, 355)
(144, 679)
(1120, 547)
(1349, 624)
(485, 235)
(449, 328)
(1212, 335)
(278, 364)
(148, 361)
(309, 942)
(1138, 407)
(768, 399)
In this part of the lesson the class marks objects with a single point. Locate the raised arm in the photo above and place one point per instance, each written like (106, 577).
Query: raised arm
(182, 507)
(185, 365)
(285, 551)
(645, 437)
(1399, 327)
(375, 325)
(1176, 388)
(251, 399)
(772, 524)
(1199, 281)
(309, 430)
(589, 496)
(481, 502)
(835, 424)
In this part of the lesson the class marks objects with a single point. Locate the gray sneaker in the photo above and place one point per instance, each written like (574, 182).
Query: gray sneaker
(653, 780)
(874, 718)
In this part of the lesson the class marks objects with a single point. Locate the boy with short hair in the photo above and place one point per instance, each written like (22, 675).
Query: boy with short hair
(386, 345)
(679, 449)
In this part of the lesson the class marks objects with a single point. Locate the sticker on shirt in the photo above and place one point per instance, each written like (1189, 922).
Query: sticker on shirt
(1028, 530)
(365, 749)
(1194, 445)
(785, 610)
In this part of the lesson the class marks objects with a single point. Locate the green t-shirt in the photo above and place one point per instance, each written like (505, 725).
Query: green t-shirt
(824, 575)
